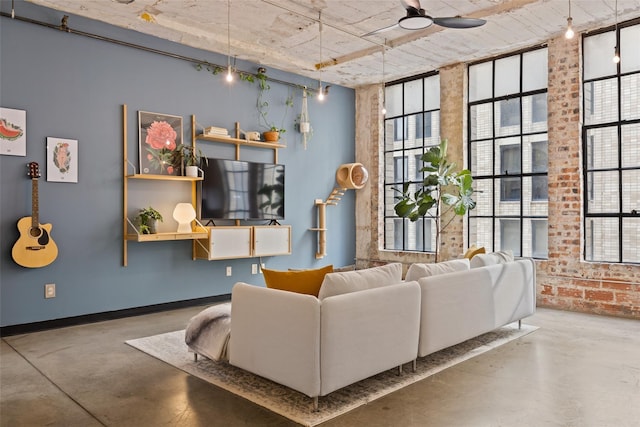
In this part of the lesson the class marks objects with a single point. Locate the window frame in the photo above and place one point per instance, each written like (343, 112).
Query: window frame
(589, 166)
(502, 134)
(423, 242)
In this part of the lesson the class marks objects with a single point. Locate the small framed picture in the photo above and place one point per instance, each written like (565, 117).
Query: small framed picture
(13, 132)
(62, 160)
(160, 137)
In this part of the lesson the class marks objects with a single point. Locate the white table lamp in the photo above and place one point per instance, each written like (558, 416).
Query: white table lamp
(184, 214)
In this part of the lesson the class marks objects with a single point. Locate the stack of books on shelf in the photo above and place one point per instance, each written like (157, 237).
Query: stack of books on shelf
(215, 131)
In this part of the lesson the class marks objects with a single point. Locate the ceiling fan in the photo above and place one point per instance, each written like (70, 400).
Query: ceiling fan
(417, 19)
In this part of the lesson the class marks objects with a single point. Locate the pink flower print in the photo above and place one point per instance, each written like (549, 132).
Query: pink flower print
(161, 135)
(62, 157)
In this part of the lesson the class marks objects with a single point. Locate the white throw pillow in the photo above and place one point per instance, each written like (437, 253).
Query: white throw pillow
(499, 257)
(417, 271)
(359, 280)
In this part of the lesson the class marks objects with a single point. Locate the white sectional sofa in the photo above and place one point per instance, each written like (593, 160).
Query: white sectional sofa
(464, 304)
(318, 345)
(367, 321)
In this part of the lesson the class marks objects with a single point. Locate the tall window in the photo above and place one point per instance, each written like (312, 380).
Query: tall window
(508, 153)
(611, 145)
(412, 125)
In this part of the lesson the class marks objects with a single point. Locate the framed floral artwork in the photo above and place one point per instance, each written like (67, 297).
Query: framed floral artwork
(159, 137)
(13, 132)
(62, 160)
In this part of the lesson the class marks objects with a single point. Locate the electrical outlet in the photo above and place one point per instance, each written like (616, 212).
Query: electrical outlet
(229, 270)
(50, 290)
(254, 268)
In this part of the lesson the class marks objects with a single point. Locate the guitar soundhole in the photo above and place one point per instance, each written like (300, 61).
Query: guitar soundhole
(40, 234)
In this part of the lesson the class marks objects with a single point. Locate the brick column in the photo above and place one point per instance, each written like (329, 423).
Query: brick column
(452, 112)
(566, 281)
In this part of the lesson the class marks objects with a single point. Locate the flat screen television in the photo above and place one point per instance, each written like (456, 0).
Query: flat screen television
(233, 189)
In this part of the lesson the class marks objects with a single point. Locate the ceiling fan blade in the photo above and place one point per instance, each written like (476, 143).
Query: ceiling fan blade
(381, 30)
(459, 22)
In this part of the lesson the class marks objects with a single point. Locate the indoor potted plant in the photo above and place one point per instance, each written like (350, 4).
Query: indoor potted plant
(443, 190)
(147, 218)
(189, 158)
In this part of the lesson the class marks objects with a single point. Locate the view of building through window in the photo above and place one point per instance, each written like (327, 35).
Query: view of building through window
(508, 154)
(611, 146)
(412, 125)
(508, 151)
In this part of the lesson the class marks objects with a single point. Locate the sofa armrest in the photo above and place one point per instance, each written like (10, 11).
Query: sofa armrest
(514, 290)
(367, 332)
(275, 334)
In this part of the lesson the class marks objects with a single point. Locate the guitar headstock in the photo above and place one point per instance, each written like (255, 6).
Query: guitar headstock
(34, 170)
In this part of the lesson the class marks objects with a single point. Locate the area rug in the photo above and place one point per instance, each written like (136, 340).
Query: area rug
(170, 348)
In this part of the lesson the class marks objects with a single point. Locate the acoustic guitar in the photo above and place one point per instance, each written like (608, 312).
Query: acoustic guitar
(35, 247)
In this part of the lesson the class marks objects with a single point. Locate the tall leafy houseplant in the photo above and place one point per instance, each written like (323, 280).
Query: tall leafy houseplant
(443, 190)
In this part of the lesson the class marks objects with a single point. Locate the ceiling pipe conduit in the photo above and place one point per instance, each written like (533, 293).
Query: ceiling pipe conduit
(64, 27)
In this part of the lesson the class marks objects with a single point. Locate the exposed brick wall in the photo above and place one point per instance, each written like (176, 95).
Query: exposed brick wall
(565, 281)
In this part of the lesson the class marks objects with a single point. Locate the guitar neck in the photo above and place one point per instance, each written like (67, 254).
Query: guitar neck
(35, 221)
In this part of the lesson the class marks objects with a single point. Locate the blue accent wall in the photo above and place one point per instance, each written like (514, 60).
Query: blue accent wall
(74, 87)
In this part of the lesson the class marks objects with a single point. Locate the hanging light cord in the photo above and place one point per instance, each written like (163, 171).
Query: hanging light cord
(228, 33)
(384, 92)
(320, 77)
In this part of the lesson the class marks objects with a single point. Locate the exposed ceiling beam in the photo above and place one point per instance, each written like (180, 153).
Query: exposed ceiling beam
(418, 34)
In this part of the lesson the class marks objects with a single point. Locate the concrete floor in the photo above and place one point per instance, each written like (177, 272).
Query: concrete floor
(577, 370)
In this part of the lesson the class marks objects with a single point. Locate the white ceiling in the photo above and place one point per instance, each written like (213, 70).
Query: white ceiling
(284, 34)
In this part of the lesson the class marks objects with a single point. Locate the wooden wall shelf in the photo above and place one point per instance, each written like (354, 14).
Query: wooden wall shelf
(158, 237)
(229, 140)
(164, 177)
(127, 235)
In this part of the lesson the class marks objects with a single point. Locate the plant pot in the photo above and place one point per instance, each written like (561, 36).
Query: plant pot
(305, 127)
(271, 136)
(151, 223)
(191, 171)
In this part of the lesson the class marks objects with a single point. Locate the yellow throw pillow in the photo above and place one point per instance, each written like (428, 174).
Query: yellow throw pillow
(473, 251)
(300, 281)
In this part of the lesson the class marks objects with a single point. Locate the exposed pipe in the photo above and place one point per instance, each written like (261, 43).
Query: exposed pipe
(64, 27)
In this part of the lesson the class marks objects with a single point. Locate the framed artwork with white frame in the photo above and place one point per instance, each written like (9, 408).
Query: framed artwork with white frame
(62, 160)
(13, 132)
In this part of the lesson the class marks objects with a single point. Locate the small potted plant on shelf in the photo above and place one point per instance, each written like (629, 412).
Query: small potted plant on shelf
(189, 158)
(147, 218)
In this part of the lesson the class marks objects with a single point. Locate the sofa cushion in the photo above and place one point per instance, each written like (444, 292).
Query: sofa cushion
(300, 281)
(417, 270)
(359, 280)
(492, 258)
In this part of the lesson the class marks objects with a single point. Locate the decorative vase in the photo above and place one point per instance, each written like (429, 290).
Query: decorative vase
(271, 136)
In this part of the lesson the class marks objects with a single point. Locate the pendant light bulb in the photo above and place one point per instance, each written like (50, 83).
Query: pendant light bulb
(569, 34)
(229, 74)
(320, 92)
